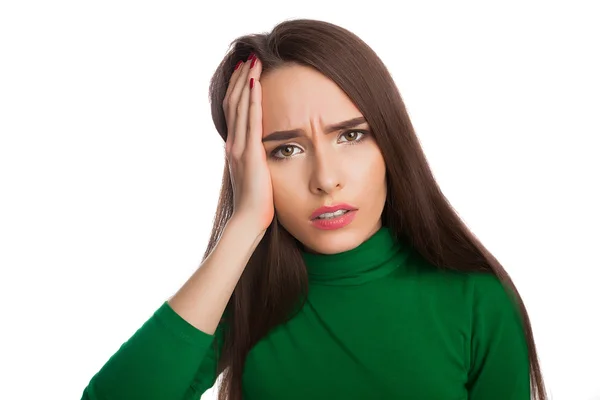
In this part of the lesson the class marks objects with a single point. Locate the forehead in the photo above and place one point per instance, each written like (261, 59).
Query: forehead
(295, 96)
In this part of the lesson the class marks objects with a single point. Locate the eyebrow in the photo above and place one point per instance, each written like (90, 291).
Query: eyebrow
(294, 133)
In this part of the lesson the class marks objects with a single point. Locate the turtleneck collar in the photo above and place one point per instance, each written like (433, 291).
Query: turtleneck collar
(376, 257)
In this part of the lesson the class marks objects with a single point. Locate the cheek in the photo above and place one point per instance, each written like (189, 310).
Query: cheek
(370, 171)
(378, 171)
(286, 194)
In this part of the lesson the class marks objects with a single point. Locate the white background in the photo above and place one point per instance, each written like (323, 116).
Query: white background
(110, 164)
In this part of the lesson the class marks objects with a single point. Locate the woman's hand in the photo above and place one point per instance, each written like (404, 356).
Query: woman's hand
(250, 176)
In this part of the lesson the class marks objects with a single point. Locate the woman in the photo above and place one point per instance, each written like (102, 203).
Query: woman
(336, 267)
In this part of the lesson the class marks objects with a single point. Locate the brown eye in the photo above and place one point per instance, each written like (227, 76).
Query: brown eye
(352, 136)
(287, 151)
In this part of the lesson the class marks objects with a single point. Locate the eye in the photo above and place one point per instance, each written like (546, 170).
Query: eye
(352, 136)
(285, 151)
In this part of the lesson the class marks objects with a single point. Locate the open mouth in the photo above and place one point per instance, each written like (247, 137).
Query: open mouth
(332, 215)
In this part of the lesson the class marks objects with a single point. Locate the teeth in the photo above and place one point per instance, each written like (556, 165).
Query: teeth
(332, 215)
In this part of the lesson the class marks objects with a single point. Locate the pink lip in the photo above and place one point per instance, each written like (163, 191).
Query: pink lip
(330, 209)
(334, 223)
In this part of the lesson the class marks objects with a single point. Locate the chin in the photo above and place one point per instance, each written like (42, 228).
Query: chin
(332, 241)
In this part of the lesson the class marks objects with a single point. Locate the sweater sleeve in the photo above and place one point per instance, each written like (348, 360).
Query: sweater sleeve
(499, 361)
(167, 358)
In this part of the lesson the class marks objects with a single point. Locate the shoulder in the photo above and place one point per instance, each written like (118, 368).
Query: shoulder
(475, 293)
(480, 294)
(476, 287)
(493, 306)
(487, 290)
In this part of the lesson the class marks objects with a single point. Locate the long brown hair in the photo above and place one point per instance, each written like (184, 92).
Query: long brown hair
(274, 284)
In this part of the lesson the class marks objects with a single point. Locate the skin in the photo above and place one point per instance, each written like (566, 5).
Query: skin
(319, 168)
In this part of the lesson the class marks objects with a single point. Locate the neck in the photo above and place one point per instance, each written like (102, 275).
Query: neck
(376, 257)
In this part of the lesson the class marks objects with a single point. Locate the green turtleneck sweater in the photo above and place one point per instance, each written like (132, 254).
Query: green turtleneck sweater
(379, 323)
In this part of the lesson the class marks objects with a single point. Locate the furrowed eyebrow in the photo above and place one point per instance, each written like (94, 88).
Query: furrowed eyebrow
(294, 133)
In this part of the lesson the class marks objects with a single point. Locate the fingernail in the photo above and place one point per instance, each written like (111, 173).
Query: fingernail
(251, 83)
(253, 62)
(238, 65)
(250, 57)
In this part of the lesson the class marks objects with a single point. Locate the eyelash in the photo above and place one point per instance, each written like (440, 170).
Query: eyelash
(349, 142)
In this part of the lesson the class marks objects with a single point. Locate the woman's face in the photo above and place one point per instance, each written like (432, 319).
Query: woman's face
(316, 166)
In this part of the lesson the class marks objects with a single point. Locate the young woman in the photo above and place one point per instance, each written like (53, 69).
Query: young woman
(336, 268)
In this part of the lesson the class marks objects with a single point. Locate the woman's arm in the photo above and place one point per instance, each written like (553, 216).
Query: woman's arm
(170, 357)
(203, 298)
(499, 361)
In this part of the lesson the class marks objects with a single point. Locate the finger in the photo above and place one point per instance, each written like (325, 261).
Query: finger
(226, 100)
(234, 104)
(241, 112)
(254, 135)
(232, 80)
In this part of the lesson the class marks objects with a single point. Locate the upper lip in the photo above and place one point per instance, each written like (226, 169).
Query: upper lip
(330, 209)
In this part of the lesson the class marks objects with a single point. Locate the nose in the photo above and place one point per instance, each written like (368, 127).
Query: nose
(326, 175)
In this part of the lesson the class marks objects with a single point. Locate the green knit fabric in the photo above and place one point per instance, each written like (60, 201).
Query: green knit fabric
(379, 323)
